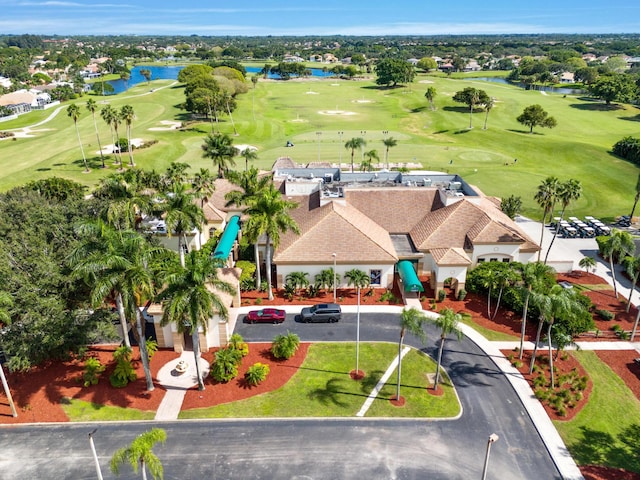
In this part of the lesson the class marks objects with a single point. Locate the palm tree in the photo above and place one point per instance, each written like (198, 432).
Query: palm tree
(128, 115)
(353, 144)
(252, 184)
(474, 98)
(587, 263)
(269, 215)
(568, 192)
(203, 185)
(358, 279)
(248, 154)
(389, 142)
(490, 103)
(96, 249)
(146, 74)
(636, 198)
(73, 111)
(632, 267)
(189, 299)
(297, 280)
(533, 277)
(182, 216)
(219, 148)
(367, 164)
(412, 320)
(140, 453)
(503, 279)
(619, 243)
(447, 322)
(430, 95)
(228, 100)
(546, 198)
(92, 106)
(125, 76)
(325, 278)
(127, 197)
(108, 114)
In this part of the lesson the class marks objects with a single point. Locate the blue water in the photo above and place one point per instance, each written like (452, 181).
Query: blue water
(560, 90)
(171, 73)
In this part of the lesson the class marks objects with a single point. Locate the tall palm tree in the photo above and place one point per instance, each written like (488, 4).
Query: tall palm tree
(219, 148)
(73, 111)
(128, 115)
(489, 104)
(297, 280)
(388, 142)
(353, 144)
(175, 174)
(127, 197)
(358, 279)
(367, 165)
(447, 322)
(533, 276)
(140, 454)
(92, 106)
(251, 184)
(503, 279)
(474, 98)
(269, 215)
(568, 192)
(412, 320)
(229, 101)
(325, 278)
(182, 216)
(108, 114)
(632, 267)
(248, 154)
(546, 197)
(203, 185)
(430, 95)
(190, 299)
(619, 243)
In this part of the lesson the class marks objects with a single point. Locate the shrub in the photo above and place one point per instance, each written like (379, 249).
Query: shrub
(605, 314)
(616, 328)
(92, 370)
(462, 294)
(258, 301)
(124, 371)
(285, 346)
(289, 291)
(225, 365)
(256, 373)
(236, 342)
(152, 347)
(441, 295)
(312, 291)
(387, 296)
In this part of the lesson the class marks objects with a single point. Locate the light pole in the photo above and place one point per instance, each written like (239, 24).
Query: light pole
(7, 392)
(492, 438)
(95, 455)
(340, 137)
(318, 134)
(364, 134)
(334, 277)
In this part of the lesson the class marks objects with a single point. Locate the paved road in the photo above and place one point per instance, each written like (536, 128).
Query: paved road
(316, 449)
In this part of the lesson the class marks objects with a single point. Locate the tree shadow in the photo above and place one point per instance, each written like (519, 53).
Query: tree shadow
(440, 131)
(418, 109)
(596, 107)
(601, 448)
(635, 118)
(43, 169)
(460, 109)
(526, 132)
(330, 394)
(462, 131)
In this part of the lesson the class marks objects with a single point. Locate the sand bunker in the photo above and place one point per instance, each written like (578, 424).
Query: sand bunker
(109, 149)
(168, 125)
(335, 84)
(425, 81)
(311, 93)
(336, 112)
(242, 147)
(362, 101)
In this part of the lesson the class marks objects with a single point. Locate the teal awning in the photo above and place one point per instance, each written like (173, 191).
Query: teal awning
(228, 238)
(409, 277)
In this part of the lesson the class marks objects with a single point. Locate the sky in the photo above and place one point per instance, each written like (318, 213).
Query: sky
(325, 17)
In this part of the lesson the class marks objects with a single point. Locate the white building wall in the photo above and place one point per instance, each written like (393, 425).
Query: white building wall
(499, 252)
(341, 269)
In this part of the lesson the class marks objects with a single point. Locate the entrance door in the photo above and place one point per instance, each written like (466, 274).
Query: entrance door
(188, 342)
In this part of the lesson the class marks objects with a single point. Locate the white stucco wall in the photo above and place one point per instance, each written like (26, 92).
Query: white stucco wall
(495, 251)
(341, 269)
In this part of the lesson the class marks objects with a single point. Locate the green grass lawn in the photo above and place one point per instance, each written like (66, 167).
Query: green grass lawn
(322, 387)
(304, 112)
(607, 429)
(81, 411)
(490, 335)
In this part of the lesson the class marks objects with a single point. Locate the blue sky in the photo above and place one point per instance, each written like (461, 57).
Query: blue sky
(326, 17)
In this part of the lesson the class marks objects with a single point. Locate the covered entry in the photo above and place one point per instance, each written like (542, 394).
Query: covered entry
(408, 277)
(227, 239)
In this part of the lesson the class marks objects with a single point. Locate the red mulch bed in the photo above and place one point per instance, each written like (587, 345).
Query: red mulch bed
(280, 371)
(344, 296)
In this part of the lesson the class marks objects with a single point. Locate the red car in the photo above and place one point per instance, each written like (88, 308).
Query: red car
(266, 315)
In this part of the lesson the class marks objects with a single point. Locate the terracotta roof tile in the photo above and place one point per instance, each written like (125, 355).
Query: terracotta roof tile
(450, 256)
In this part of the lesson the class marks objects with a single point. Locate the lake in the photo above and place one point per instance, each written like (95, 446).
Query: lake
(543, 88)
(171, 73)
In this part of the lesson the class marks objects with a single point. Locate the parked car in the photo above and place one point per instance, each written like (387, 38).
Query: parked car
(323, 312)
(266, 315)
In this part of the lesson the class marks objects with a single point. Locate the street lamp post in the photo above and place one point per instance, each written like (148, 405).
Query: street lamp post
(334, 277)
(340, 149)
(95, 455)
(318, 134)
(7, 392)
(492, 438)
(364, 134)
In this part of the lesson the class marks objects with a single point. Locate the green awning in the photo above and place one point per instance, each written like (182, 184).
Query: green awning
(409, 277)
(228, 238)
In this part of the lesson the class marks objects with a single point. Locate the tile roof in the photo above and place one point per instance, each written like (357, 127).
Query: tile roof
(450, 256)
(396, 209)
(339, 229)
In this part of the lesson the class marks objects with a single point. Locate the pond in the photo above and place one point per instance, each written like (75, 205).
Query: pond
(171, 73)
(542, 88)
